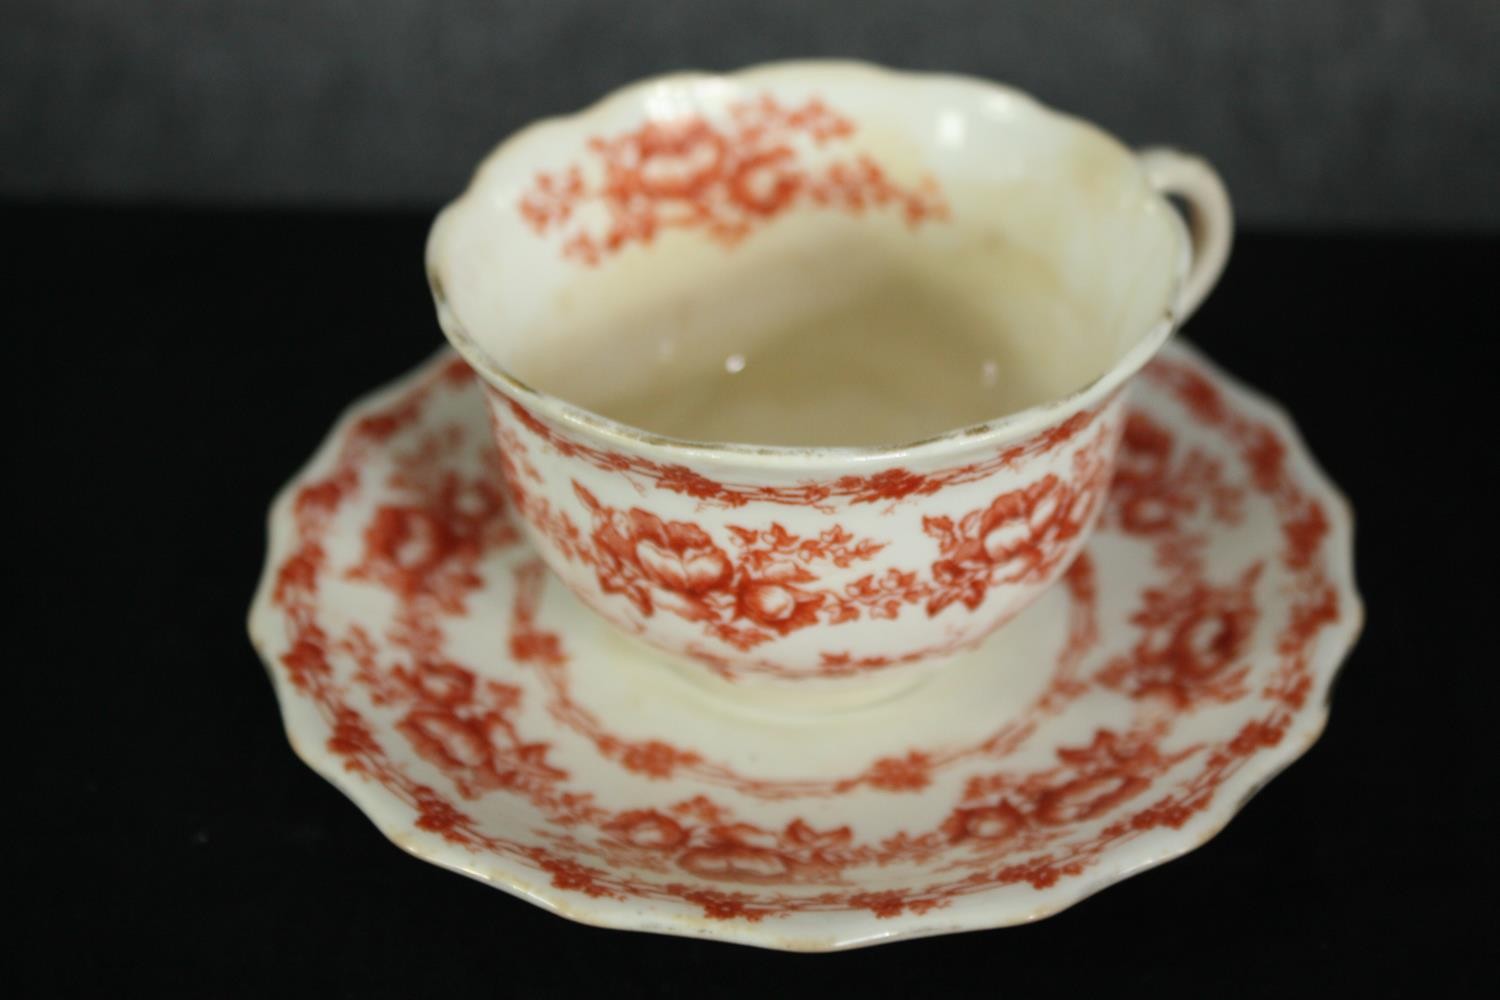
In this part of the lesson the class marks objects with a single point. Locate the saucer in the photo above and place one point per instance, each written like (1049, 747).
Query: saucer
(431, 668)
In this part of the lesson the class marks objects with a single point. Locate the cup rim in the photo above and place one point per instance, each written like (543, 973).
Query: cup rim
(1001, 430)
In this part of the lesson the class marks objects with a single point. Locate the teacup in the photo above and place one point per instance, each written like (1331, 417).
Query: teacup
(838, 568)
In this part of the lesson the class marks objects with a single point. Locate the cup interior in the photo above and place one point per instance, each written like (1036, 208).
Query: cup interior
(678, 219)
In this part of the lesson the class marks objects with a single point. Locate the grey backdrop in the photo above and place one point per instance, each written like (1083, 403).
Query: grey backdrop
(1319, 112)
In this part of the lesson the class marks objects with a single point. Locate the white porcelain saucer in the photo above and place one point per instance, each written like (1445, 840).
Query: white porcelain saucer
(430, 667)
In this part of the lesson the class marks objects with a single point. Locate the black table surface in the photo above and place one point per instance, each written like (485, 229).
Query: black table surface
(169, 370)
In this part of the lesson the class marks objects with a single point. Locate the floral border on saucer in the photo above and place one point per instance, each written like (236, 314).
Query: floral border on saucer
(662, 869)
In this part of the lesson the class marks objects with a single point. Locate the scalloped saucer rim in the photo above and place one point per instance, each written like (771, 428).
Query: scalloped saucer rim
(840, 929)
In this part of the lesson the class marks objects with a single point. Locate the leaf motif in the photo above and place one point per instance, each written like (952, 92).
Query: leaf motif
(941, 528)
(745, 536)
(589, 500)
(798, 831)
(843, 613)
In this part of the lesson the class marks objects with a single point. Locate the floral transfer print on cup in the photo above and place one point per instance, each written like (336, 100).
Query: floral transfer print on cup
(749, 198)
(745, 584)
(688, 173)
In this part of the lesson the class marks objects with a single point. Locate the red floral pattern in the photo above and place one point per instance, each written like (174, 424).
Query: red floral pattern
(721, 179)
(1036, 826)
(768, 588)
(1022, 536)
(889, 486)
(1090, 781)
(1195, 636)
(427, 547)
(767, 582)
(1153, 491)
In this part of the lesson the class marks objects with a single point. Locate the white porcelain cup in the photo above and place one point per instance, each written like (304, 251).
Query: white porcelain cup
(810, 567)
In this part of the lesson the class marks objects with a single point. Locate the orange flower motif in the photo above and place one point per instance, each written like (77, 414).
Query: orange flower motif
(677, 555)
(638, 550)
(780, 607)
(1019, 534)
(430, 546)
(770, 588)
(1089, 796)
(407, 547)
(1194, 637)
(733, 862)
(725, 178)
(442, 683)
(446, 740)
(478, 754)
(674, 160)
(655, 759)
(1020, 525)
(990, 823)
(1154, 488)
(649, 829)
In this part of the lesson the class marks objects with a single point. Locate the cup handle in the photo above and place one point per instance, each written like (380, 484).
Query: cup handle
(1209, 216)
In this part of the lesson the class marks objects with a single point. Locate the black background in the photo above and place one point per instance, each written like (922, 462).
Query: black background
(168, 370)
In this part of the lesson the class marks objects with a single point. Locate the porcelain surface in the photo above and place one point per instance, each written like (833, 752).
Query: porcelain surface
(703, 204)
(430, 667)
